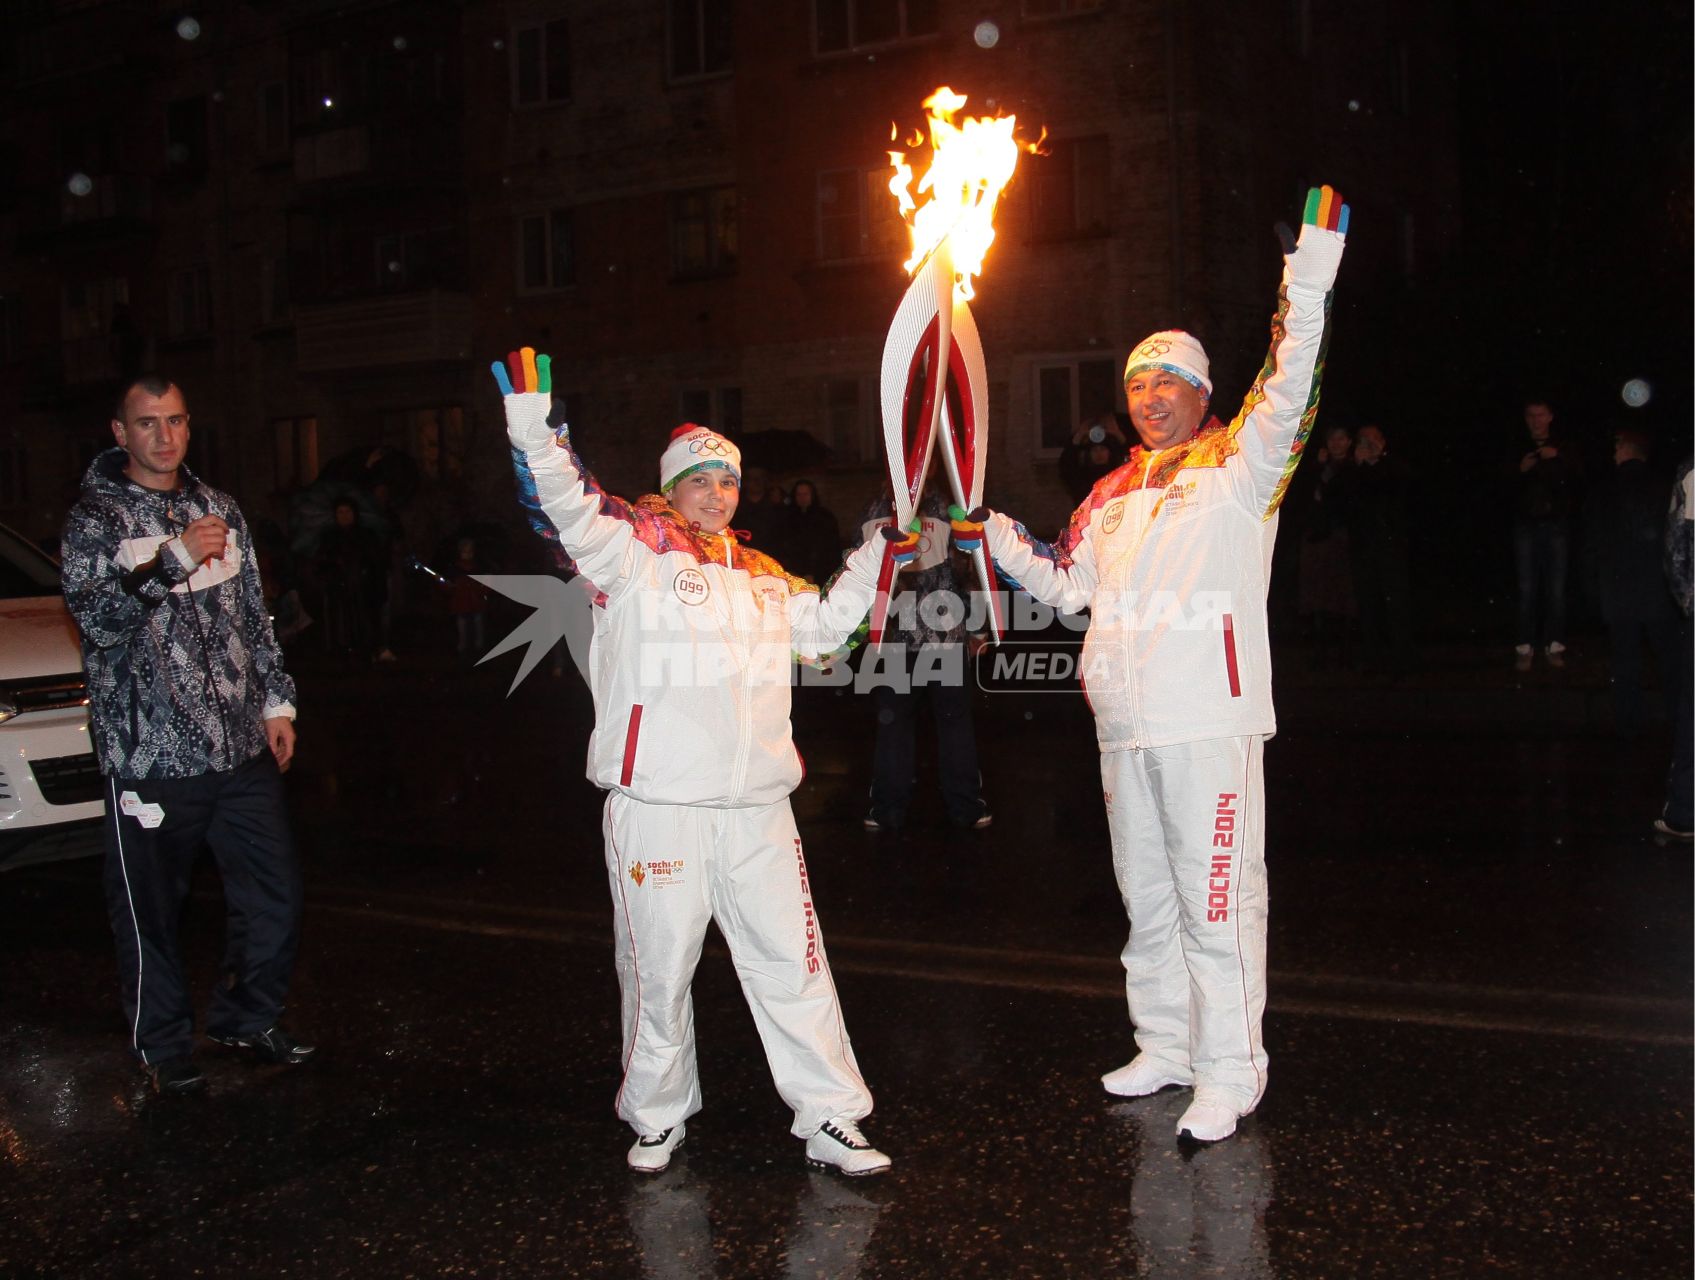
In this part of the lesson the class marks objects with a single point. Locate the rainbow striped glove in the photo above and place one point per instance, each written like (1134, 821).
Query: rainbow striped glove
(967, 528)
(1313, 259)
(526, 382)
(904, 543)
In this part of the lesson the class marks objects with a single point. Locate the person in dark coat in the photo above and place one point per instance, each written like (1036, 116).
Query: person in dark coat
(811, 535)
(1378, 523)
(1544, 501)
(1626, 530)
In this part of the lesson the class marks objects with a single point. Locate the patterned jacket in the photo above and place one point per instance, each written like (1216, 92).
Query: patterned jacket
(183, 669)
(1680, 538)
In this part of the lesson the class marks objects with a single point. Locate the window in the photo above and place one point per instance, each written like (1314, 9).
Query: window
(9, 310)
(1069, 191)
(205, 456)
(844, 417)
(841, 25)
(14, 475)
(1059, 8)
(717, 407)
(190, 303)
(403, 261)
(1400, 77)
(185, 135)
(547, 255)
(857, 217)
(94, 318)
(541, 64)
(434, 436)
(703, 232)
(1069, 391)
(319, 87)
(295, 451)
(273, 290)
(1409, 247)
(273, 119)
(702, 38)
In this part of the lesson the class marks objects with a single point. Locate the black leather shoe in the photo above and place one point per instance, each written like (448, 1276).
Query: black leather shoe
(175, 1076)
(275, 1045)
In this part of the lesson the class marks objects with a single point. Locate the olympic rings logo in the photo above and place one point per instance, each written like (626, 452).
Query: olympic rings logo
(710, 444)
(1154, 349)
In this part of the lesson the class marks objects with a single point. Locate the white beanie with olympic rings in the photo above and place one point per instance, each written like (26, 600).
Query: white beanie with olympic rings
(1175, 352)
(692, 447)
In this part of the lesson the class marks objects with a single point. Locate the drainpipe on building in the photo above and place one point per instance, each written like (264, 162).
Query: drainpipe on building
(1174, 169)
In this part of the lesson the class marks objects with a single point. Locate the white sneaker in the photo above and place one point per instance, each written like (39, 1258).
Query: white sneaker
(840, 1145)
(1208, 1119)
(1143, 1075)
(652, 1153)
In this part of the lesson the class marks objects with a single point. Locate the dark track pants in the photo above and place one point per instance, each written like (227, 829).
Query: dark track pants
(240, 813)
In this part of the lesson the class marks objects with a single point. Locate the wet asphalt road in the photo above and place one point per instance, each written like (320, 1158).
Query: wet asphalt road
(1480, 1020)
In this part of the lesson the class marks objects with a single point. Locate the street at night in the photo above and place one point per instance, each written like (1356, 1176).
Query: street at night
(617, 615)
(1479, 1019)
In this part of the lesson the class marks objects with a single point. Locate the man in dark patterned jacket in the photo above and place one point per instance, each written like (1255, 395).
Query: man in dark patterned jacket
(193, 720)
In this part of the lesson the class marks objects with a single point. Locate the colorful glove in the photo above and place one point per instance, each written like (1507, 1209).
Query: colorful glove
(904, 543)
(1313, 259)
(967, 529)
(526, 381)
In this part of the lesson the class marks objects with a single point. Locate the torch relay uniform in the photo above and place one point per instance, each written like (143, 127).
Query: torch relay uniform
(183, 672)
(693, 645)
(1172, 554)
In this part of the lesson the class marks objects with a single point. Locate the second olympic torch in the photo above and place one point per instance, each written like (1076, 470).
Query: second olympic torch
(933, 339)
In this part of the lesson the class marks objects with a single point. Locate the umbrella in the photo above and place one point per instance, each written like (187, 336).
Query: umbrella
(371, 465)
(782, 451)
(312, 511)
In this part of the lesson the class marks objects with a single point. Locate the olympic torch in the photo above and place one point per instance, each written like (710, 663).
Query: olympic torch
(933, 337)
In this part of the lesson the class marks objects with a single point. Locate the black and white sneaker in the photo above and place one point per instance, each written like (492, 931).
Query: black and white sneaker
(840, 1145)
(274, 1046)
(652, 1152)
(175, 1076)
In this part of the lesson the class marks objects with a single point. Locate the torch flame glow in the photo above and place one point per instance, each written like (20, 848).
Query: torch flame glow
(970, 163)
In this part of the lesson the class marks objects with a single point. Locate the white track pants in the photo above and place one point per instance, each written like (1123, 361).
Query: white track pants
(1188, 848)
(674, 868)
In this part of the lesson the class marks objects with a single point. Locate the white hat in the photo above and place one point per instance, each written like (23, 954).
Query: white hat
(692, 447)
(1176, 352)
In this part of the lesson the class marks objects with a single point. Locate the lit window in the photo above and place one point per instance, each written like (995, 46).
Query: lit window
(1069, 391)
(703, 232)
(1070, 190)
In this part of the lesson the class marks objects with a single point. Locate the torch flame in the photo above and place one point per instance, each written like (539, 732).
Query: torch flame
(970, 163)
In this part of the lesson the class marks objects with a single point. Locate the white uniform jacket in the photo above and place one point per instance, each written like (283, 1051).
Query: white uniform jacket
(1171, 552)
(695, 635)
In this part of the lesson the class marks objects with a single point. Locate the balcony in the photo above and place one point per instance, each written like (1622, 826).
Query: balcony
(382, 332)
(112, 206)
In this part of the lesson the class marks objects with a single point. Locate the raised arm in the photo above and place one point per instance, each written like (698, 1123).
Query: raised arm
(1277, 415)
(595, 530)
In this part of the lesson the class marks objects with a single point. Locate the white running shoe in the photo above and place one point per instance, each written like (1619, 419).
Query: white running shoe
(1143, 1075)
(1208, 1119)
(652, 1153)
(841, 1146)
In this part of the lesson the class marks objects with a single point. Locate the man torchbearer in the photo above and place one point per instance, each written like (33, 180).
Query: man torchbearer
(1172, 554)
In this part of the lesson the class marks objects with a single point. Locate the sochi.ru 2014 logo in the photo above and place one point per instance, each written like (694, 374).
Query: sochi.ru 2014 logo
(690, 586)
(637, 873)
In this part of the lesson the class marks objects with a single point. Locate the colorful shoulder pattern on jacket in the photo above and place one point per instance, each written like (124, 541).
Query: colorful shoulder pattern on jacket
(656, 524)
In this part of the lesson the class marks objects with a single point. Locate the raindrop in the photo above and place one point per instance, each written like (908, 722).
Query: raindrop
(80, 184)
(1353, 104)
(400, 42)
(987, 35)
(188, 28)
(1636, 393)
